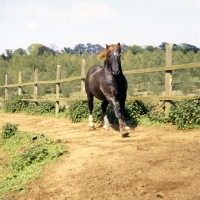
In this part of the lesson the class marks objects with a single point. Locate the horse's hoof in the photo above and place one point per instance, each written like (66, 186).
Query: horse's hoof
(107, 127)
(92, 128)
(124, 132)
(127, 128)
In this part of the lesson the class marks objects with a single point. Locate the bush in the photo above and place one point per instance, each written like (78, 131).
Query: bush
(155, 111)
(79, 110)
(9, 130)
(134, 109)
(157, 116)
(38, 153)
(41, 107)
(15, 103)
(26, 155)
(185, 114)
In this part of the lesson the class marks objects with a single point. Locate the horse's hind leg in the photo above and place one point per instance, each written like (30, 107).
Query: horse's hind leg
(106, 123)
(90, 106)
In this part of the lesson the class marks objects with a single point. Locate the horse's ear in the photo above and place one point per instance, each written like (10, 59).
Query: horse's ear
(118, 43)
(107, 46)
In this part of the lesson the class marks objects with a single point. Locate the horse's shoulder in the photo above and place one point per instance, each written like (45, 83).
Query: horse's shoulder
(95, 68)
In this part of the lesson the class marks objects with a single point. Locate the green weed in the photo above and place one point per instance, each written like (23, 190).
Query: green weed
(9, 130)
(24, 156)
(185, 114)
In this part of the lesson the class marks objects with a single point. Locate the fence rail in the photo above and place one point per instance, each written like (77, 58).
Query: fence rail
(168, 83)
(130, 72)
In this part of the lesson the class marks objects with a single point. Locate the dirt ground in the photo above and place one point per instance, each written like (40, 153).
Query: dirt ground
(153, 163)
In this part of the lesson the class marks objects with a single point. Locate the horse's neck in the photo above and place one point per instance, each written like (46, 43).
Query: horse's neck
(107, 68)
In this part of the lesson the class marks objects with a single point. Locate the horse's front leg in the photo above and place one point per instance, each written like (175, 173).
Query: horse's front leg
(91, 106)
(123, 126)
(106, 123)
(120, 117)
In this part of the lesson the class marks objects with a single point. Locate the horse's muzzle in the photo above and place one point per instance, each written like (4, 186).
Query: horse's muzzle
(115, 73)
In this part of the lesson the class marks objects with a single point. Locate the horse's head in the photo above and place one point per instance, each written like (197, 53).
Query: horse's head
(111, 57)
(114, 62)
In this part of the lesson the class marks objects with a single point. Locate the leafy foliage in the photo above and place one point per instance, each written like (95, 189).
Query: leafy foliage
(185, 114)
(79, 110)
(26, 156)
(136, 49)
(134, 110)
(9, 130)
(41, 107)
(15, 103)
(157, 116)
(134, 57)
(156, 111)
(36, 153)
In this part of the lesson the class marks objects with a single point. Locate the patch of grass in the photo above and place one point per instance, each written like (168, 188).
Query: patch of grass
(23, 156)
(1, 111)
(146, 121)
(8, 130)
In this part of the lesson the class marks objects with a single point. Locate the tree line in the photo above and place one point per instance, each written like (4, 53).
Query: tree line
(134, 57)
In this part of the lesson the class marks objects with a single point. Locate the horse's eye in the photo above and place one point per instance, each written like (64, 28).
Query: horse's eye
(110, 56)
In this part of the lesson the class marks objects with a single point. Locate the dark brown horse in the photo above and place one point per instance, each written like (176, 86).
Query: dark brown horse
(108, 84)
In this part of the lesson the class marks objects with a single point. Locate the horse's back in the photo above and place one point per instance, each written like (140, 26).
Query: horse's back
(93, 82)
(93, 70)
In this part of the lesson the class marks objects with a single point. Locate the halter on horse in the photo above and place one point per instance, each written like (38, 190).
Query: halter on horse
(108, 84)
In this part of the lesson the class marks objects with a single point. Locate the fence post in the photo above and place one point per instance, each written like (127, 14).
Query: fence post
(35, 84)
(6, 89)
(168, 77)
(83, 73)
(57, 89)
(20, 81)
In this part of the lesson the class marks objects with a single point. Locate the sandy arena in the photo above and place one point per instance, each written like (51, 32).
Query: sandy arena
(153, 163)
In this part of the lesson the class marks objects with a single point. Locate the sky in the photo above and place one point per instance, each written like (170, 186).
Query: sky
(66, 23)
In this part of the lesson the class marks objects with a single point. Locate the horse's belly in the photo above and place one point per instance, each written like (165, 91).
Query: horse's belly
(100, 97)
(98, 94)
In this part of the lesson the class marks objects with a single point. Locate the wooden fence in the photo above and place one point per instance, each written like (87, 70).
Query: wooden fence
(168, 83)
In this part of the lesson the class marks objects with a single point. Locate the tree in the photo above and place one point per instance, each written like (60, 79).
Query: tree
(188, 47)
(3, 56)
(135, 49)
(162, 46)
(34, 48)
(39, 49)
(124, 47)
(93, 49)
(81, 48)
(68, 50)
(9, 53)
(43, 49)
(184, 47)
(150, 48)
(20, 51)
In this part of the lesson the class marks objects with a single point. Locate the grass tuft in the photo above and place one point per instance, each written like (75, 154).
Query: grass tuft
(23, 156)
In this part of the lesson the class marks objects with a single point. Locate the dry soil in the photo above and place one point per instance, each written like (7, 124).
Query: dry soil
(153, 163)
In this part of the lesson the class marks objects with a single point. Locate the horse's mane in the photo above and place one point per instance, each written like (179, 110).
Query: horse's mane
(104, 54)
